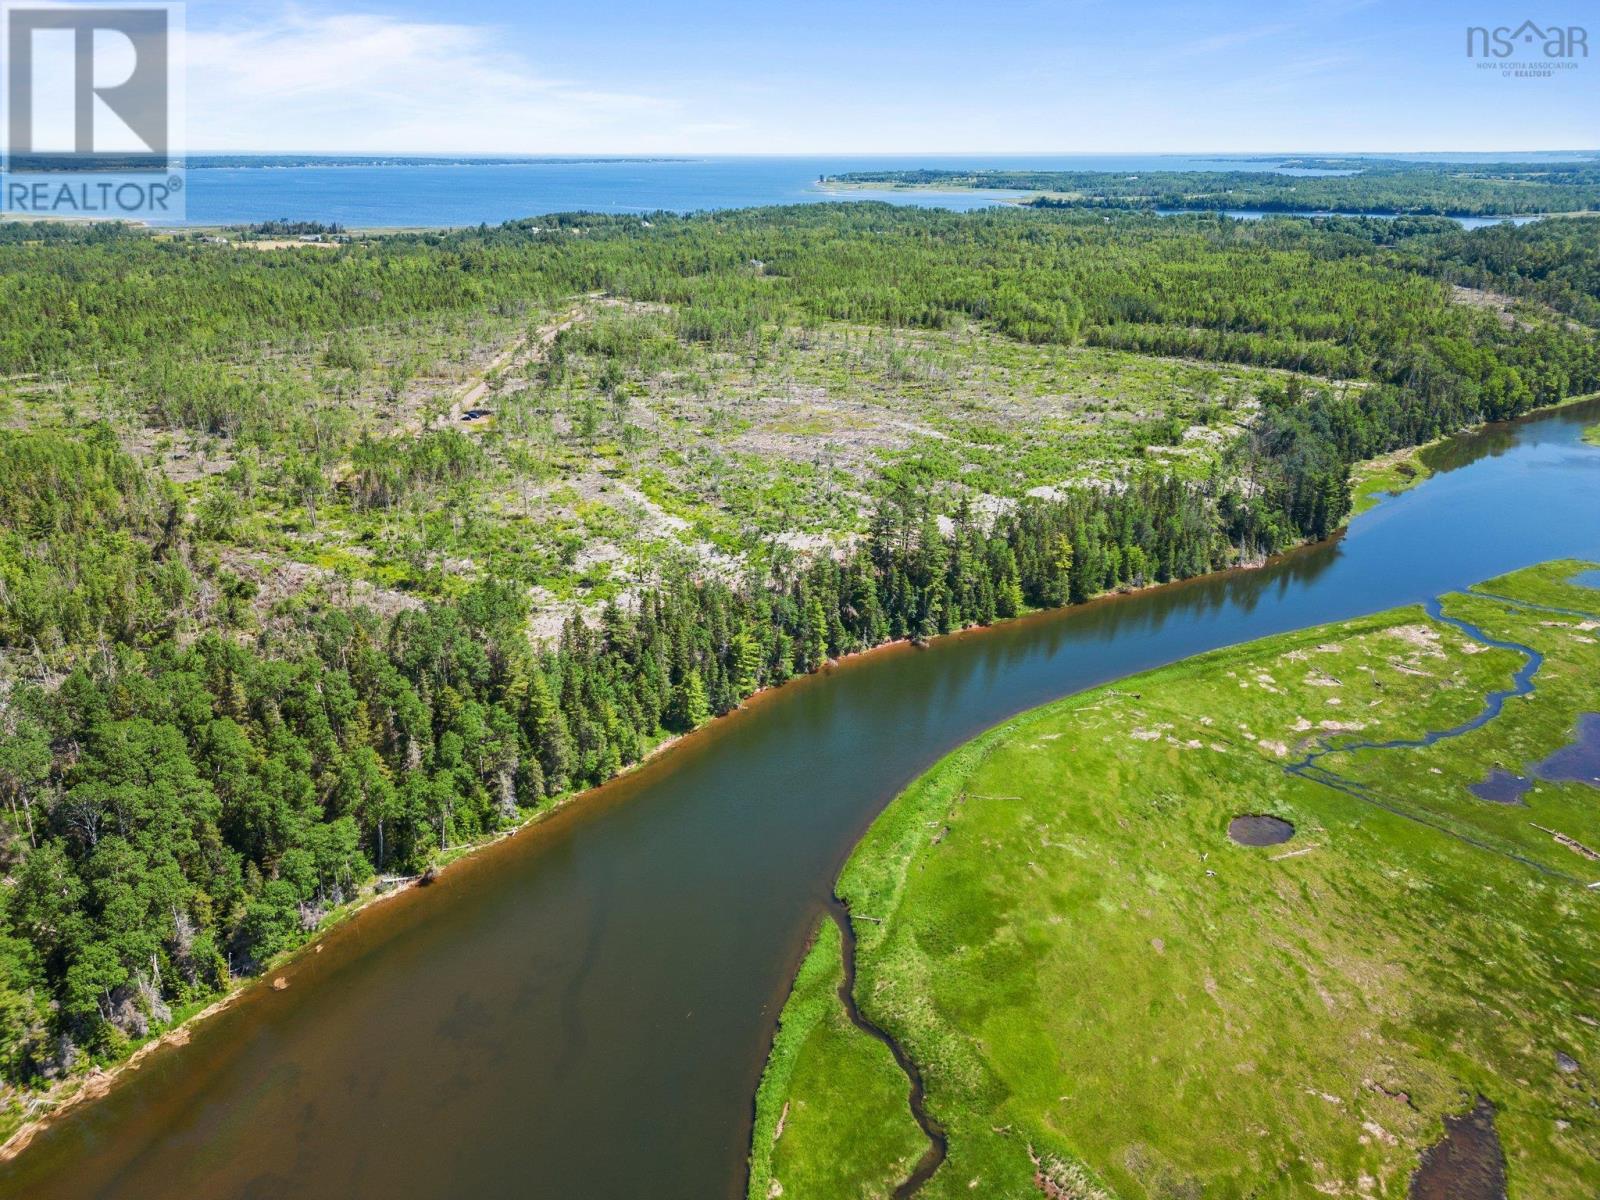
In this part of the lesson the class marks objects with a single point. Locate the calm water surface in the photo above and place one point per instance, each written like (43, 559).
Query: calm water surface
(453, 194)
(583, 1011)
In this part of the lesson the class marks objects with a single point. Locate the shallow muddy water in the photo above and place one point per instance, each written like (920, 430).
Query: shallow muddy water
(1467, 1163)
(1260, 830)
(584, 1010)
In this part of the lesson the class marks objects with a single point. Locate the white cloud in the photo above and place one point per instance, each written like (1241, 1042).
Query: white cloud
(332, 82)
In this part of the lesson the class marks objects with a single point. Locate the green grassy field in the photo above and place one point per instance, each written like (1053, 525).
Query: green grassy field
(828, 1083)
(1592, 435)
(1107, 996)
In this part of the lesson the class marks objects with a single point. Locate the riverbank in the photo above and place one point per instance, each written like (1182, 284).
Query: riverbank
(1377, 479)
(641, 944)
(20, 1125)
(1388, 475)
(44, 1106)
(1312, 1038)
(40, 1108)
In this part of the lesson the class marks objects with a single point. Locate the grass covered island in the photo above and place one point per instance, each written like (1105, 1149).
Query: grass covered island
(1381, 982)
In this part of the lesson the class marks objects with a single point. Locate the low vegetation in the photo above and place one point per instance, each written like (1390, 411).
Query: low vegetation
(828, 1083)
(1108, 996)
(1386, 475)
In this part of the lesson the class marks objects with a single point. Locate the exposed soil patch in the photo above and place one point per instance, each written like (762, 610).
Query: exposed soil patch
(1495, 302)
(1258, 829)
(1501, 787)
(1467, 1163)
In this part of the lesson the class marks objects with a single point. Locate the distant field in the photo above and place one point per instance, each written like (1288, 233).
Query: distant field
(1108, 996)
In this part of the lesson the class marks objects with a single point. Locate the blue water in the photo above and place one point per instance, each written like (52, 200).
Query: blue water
(1579, 760)
(452, 194)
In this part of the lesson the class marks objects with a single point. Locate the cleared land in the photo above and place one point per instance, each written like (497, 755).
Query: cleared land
(1108, 996)
(604, 441)
(581, 407)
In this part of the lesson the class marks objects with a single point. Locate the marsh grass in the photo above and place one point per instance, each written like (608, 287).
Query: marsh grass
(1372, 481)
(841, 1093)
(1088, 971)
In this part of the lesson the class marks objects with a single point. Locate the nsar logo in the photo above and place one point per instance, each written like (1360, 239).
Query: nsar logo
(1551, 41)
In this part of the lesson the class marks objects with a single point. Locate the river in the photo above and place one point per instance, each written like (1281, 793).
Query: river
(583, 1010)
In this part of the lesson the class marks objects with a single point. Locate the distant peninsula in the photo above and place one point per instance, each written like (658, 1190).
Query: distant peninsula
(1321, 184)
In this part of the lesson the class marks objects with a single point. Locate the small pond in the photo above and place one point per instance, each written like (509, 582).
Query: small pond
(1467, 1163)
(1257, 829)
(1501, 787)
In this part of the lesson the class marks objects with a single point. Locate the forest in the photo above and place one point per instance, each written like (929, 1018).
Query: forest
(1341, 185)
(196, 773)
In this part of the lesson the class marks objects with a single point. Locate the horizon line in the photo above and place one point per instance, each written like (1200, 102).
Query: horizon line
(696, 154)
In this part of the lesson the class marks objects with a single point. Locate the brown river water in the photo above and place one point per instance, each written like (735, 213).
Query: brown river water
(583, 1010)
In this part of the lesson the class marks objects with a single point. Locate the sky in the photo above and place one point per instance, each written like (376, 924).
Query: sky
(874, 77)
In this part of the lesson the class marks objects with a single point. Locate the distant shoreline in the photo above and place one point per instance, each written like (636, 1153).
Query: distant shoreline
(376, 193)
(212, 162)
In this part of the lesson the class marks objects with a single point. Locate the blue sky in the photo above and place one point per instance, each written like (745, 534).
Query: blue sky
(826, 76)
